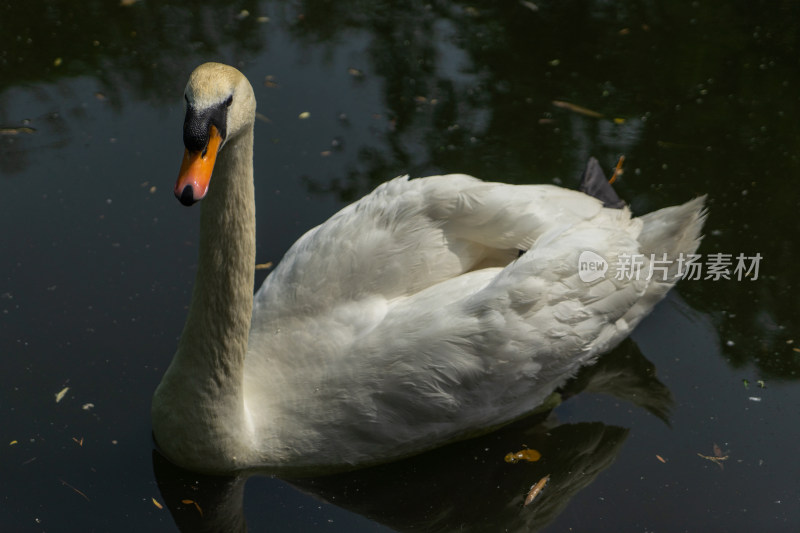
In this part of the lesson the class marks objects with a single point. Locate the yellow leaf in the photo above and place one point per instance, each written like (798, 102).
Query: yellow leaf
(527, 454)
(155, 502)
(60, 394)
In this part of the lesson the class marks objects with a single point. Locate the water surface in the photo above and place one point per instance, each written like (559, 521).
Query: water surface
(97, 258)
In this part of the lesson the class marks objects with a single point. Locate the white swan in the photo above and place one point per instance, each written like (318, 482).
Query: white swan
(409, 319)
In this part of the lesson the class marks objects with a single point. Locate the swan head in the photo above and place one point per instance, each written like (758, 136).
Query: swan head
(220, 105)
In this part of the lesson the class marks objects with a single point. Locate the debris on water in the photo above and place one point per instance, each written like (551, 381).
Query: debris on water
(530, 5)
(718, 456)
(16, 131)
(155, 502)
(85, 497)
(87, 406)
(761, 384)
(536, 489)
(577, 109)
(262, 117)
(60, 394)
(264, 266)
(270, 83)
(527, 454)
(661, 458)
(304, 115)
(196, 505)
(79, 442)
(754, 398)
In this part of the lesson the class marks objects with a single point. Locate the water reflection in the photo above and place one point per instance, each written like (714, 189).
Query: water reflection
(466, 486)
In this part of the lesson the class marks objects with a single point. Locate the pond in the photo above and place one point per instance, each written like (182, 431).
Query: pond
(689, 425)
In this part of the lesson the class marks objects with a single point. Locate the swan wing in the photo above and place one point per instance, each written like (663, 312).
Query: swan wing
(408, 235)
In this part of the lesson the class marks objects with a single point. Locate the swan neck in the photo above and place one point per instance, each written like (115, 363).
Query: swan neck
(222, 299)
(199, 417)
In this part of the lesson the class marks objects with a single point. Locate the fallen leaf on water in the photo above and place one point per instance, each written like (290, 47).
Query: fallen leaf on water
(661, 458)
(523, 455)
(718, 456)
(196, 505)
(262, 117)
(13, 442)
(155, 502)
(80, 442)
(577, 109)
(304, 115)
(264, 266)
(16, 131)
(60, 394)
(536, 489)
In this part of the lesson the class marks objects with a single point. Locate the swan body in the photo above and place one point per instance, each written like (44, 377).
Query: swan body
(431, 310)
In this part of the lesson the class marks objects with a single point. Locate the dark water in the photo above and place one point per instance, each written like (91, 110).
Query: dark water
(97, 258)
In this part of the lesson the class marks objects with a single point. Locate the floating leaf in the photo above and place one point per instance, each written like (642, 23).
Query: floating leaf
(536, 489)
(16, 131)
(196, 505)
(264, 266)
(60, 394)
(155, 502)
(523, 455)
(577, 109)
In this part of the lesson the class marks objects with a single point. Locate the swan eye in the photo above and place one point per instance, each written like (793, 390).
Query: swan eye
(229, 101)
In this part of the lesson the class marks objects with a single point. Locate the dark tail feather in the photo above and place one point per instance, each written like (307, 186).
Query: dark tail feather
(594, 183)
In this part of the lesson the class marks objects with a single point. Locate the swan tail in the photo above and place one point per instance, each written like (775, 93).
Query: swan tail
(672, 234)
(668, 241)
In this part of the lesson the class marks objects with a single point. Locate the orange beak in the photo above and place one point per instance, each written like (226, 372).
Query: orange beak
(196, 169)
